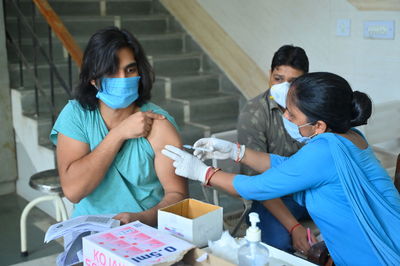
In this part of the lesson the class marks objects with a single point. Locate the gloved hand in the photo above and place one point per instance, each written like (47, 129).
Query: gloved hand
(219, 149)
(186, 164)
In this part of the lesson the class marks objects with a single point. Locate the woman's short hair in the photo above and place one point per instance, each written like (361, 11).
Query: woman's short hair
(289, 55)
(100, 58)
(328, 97)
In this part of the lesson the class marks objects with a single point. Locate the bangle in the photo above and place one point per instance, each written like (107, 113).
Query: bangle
(210, 172)
(238, 159)
(292, 229)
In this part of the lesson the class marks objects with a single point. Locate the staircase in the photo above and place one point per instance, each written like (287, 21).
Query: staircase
(188, 84)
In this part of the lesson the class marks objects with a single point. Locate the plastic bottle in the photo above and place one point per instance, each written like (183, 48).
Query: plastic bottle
(253, 253)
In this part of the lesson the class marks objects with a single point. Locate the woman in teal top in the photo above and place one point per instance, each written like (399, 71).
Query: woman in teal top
(109, 138)
(335, 176)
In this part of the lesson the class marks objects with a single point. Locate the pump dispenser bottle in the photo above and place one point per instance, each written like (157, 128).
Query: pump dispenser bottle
(253, 253)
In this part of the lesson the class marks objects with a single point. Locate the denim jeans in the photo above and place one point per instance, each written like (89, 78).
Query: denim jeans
(273, 232)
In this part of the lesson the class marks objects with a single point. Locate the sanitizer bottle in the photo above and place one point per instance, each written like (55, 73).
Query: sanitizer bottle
(253, 253)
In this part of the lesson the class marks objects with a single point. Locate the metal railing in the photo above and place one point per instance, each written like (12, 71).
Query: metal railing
(55, 26)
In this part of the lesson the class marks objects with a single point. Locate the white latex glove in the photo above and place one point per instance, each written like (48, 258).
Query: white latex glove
(185, 164)
(219, 149)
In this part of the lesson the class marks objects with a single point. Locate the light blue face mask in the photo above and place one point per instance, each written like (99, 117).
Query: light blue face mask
(119, 93)
(294, 130)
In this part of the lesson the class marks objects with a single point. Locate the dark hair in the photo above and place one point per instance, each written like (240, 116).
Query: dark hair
(289, 55)
(100, 58)
(329, 97)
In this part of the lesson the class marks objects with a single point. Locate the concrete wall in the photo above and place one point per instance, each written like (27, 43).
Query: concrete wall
(260, 27)
(32, 157)
(8, 172)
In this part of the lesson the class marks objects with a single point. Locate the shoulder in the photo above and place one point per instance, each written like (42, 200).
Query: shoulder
(163, 132)
(149, 106)
(318, 149)
(256, 103)
(254, 113)
(73, 106)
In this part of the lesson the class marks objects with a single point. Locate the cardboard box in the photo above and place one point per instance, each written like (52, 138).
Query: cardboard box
(191, 259)
(277, 258)
(192, 220)
(133, 244)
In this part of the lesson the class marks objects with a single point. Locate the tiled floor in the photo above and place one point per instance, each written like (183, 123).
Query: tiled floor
(11, 207)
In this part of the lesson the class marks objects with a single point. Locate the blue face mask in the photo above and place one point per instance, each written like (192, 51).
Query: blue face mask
(294, 130)
(119, 93)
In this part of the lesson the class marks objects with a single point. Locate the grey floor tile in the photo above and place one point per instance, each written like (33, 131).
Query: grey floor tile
(11, 206)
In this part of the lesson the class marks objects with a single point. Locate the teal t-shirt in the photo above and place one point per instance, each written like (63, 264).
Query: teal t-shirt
(131, 183)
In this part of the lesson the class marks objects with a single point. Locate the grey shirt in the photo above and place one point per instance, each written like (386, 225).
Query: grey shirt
(260, 127)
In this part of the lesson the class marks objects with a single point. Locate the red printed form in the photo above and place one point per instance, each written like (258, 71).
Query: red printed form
(132, 244)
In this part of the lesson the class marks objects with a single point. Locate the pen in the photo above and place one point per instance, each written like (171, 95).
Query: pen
(193, 148)
(309, 236)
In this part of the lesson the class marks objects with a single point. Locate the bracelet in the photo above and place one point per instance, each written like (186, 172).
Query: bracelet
(292, 229)
(210, 173)
(238, 159)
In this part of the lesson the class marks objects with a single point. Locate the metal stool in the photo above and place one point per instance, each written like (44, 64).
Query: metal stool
(46, 182)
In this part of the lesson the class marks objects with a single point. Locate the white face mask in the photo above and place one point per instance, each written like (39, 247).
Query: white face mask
(279, 93)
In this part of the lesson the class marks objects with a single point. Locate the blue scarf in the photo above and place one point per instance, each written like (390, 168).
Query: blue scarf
(379, 219)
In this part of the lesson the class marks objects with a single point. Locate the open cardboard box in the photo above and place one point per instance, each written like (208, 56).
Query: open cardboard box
(191, 259)
(192, 220)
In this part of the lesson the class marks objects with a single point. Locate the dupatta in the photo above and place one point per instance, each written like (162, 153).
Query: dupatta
(378, 218)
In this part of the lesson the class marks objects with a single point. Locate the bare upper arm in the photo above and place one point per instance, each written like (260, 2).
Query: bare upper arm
(68, 151)
(163, 133)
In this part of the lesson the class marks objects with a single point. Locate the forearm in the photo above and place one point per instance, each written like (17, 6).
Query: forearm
(149, 216)
(279, 210)
(224, 181)
(82, 176)
(258, 161)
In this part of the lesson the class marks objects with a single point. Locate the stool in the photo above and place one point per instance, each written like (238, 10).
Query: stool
(47, 182)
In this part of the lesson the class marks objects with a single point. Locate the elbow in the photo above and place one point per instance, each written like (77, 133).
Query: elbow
(71, 195)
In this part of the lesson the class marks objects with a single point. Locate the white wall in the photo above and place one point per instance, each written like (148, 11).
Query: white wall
(31, 157)
(260, 27)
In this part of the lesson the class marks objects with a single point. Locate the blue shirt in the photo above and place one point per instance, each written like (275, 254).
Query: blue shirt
(312, 174)
(131, 183)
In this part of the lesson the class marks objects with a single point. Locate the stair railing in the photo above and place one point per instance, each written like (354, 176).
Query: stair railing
(54, 25)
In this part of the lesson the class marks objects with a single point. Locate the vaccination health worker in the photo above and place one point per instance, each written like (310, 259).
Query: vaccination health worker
(336, 175)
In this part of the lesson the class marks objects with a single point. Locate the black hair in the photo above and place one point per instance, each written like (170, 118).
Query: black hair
(289, 55)
(100, 58)
(329, 98)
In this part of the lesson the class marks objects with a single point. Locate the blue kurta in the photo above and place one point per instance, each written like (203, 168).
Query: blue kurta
(346, 191)
(131, 183)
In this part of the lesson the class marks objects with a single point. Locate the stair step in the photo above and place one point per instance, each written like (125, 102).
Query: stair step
(193, 84)
(174, 108)
(213, 105)
(190, 133)
(163, 65)
(43, 73)
(151, 24)
(89, 7)
(29, 105)
(154, 44)
(218, 124)
(177, 64)
(195, 130)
